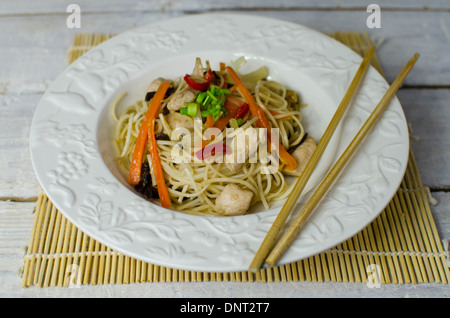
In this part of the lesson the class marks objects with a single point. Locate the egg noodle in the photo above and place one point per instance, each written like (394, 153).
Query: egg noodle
(194, 184)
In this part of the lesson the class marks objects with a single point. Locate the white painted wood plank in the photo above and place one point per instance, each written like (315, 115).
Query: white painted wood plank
(441, 213)
(232, 290)
(428, 113)
(33, 48)
(403, 33)
(16, 220)
(58, 6)
(17, 177)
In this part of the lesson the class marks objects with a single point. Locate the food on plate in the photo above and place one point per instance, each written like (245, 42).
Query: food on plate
(214, 141)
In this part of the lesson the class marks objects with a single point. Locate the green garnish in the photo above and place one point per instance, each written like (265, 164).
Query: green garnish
(190, 110)
(210, 94)
(212, 102)
(200, 98)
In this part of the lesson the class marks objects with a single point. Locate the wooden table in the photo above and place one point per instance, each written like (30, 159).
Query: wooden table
(34, 39)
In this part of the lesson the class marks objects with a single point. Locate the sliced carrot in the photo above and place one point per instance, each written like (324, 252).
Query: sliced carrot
(262, 122)
(262, 119)
(287, 159)
(244, 91)
(163, 193)
(209, 121)
(136, 162)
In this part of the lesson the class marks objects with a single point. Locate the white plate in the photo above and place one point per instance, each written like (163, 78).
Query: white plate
(73, 155)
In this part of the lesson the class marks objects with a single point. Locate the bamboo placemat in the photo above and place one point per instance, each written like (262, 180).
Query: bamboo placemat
(400, 246)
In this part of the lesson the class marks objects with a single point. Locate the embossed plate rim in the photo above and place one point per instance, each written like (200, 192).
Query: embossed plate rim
(71, 168)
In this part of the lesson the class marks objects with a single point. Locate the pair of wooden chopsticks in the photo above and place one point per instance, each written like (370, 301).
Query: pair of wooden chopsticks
(270, 256)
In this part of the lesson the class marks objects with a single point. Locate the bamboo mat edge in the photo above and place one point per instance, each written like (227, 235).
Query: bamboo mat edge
(400, 246)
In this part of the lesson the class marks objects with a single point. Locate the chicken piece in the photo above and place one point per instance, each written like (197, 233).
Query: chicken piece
(180, 99)
(177, 120)
(153, 87)
(302, 155)
(243, 146)
(233, 200)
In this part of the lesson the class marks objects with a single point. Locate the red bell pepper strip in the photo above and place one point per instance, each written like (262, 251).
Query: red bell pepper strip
(200, 86)
(210, 150)
(242, 111)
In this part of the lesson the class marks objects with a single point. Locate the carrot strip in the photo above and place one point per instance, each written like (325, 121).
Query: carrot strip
(244, 91)
(209, 121)
(163, 193)
(136, 162)
(262, 122)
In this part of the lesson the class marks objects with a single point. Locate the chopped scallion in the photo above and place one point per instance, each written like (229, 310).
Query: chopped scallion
(217, 115)
(210, 94)
(200, 97)
(211, 102)
(192, 109)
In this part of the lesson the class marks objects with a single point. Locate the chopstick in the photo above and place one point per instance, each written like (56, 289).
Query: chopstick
(309, 207)
(301, 182)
